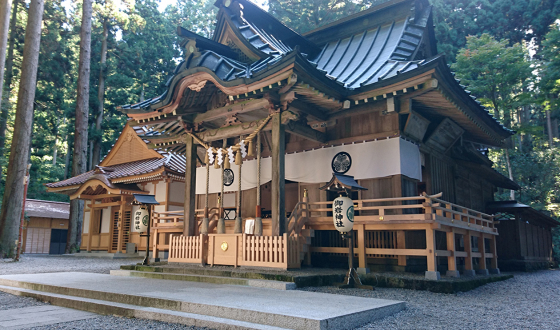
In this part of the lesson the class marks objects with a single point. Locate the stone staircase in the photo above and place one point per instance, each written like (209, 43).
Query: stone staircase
(200, 304)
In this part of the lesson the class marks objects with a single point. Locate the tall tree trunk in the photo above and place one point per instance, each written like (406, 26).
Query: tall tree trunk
(100, 97)
(79, 157)
(4, 98)
(55, 147)
(69, 147)
(12, 203)
(510, 172)
(5, 7)
(549, 130)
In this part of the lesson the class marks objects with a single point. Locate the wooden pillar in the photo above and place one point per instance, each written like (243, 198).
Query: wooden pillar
(189, 219)
(401, 244)
(120, 224)
(482, 262)
(362, 258)
(92, 215)
(278, 177)
(469, 271)
(431, 249)
(155, 241)
(494, 261)
(451, 259)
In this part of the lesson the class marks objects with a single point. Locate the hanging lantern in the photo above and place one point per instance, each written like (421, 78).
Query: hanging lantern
(343, 214)
(238, 158)
(141, 219)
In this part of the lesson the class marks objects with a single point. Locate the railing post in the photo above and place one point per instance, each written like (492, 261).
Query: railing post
(452, 259)
(154, 246)
(427, 205)
(449, 214)
(468, 259)
(401, 244)
(494, 262)
(362, 257)
(431, 273)
(482, 249)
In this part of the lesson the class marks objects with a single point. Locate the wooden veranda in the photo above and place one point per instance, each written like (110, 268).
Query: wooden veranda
(381, 228)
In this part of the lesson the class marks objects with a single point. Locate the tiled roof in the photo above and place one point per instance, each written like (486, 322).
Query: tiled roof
(372, 55)
(47, 209)
(367, 59)
(172, 161)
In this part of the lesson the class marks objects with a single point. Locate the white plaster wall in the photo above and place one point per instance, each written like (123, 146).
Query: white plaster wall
(150, 188)
(161, 190)
(106, 220)
(175, 208)
(85, 226)
(177, 192)
(159, 208)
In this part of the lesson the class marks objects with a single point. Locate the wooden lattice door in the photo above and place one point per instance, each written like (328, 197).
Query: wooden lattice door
(114, 229)
(125, 227)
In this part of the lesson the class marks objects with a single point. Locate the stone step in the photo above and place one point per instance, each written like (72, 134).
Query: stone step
(158, 299)
(270, 284)
(256, 274)
(133, 311)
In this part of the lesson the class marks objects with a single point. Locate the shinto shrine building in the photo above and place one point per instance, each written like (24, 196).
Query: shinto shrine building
(256, 119)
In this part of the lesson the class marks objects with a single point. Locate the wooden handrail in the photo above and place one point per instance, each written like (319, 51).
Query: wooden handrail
(431, 205)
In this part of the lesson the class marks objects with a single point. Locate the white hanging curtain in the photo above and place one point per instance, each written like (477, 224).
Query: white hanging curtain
(374, 159)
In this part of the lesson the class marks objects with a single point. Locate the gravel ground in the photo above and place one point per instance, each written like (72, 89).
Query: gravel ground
(528, 301)
(116, 323)
(52, 264)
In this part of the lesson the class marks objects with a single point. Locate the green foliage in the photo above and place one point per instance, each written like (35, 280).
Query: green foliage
(514, 20)
(550, 69)
(306, 15)
(496, 73)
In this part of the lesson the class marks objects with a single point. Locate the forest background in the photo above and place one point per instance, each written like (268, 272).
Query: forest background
(506, 52)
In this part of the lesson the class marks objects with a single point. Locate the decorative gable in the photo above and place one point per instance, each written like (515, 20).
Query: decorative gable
(129, 148)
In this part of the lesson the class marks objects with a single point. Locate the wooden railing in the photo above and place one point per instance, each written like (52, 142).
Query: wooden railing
(404, 210)
(270, 251)
(190, 249)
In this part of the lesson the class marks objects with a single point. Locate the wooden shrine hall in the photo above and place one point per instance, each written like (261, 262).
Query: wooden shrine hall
(261, 117)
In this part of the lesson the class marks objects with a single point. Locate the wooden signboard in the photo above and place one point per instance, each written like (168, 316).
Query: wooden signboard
(445, 135)
(416, 126)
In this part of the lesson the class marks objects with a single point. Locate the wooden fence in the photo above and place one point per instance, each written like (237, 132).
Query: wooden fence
(188, 249)
(270, 251)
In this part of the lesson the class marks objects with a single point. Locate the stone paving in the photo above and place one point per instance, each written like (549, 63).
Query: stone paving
(29, 317)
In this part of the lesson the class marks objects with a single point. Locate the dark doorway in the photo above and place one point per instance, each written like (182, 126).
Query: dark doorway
(58, 241)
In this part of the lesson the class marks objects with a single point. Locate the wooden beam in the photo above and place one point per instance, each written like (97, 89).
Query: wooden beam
(190, 188)
(228, 110)
(242, 129)
(305, 131)
(311, 110)
(163, 119)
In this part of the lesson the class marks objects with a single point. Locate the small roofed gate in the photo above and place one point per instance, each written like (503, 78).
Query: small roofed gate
(236, 250)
